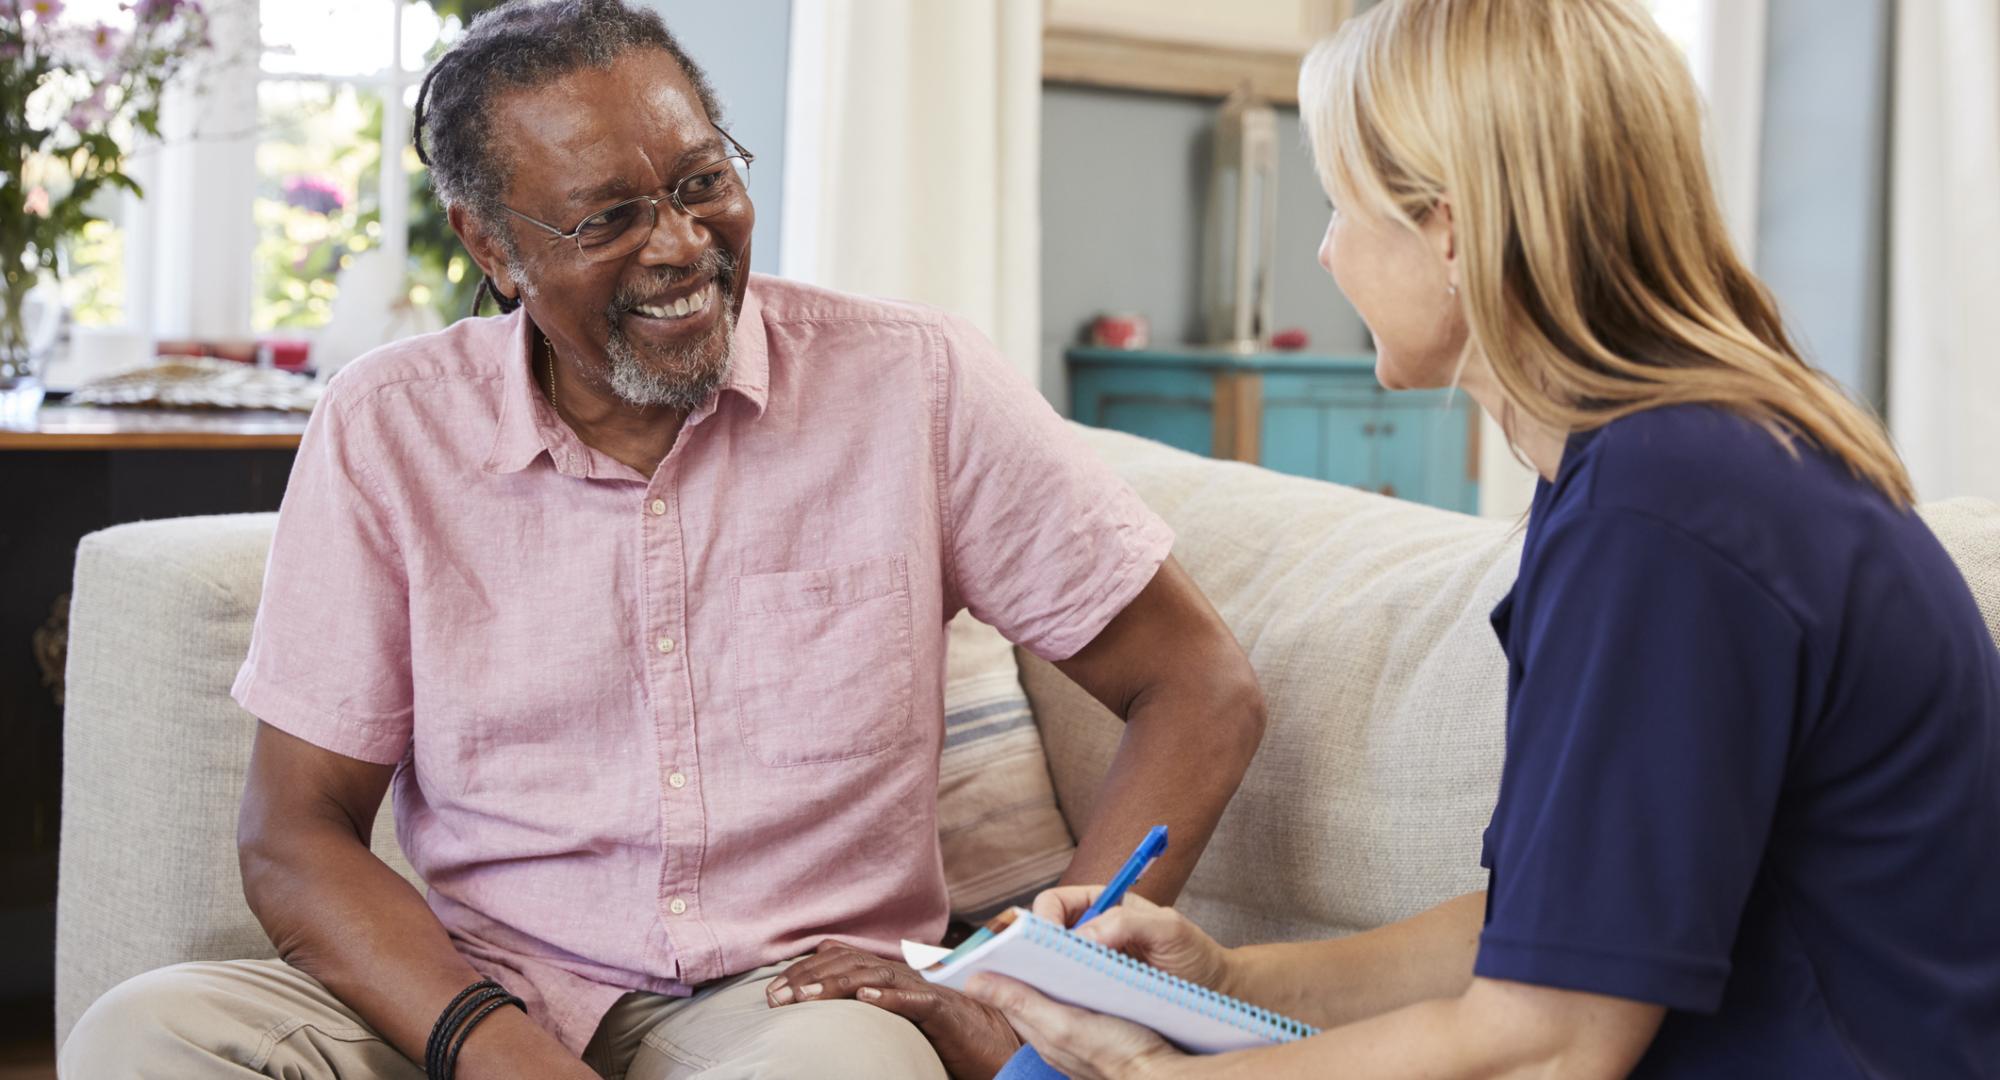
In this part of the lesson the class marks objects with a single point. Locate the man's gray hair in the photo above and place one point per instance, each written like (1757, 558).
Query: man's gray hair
(520, 46)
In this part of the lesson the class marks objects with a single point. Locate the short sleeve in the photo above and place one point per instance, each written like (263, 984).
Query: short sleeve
(329, 657)
(1647, 742)
(1043, 541)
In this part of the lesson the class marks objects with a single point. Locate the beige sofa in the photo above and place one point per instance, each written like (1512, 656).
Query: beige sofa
(1365, 618)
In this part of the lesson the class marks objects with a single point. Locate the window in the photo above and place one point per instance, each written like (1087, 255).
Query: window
(335, 177)
(334, 166)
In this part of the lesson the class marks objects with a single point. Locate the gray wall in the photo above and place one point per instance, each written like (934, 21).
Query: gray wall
(1124, 179)
(744, 46)
(1822, 198)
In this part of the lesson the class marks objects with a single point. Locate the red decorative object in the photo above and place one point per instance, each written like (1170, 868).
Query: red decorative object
(1120, 330)
(286, 354)
(1290, 340)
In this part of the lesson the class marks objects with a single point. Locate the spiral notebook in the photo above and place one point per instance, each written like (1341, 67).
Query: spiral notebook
(1083, 973)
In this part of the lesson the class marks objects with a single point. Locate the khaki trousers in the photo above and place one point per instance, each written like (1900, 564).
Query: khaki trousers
(252, 1018)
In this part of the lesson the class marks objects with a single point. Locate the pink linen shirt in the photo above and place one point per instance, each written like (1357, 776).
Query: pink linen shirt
(653, 731)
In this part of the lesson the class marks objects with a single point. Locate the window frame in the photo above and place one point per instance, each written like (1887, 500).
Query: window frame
(185, 230)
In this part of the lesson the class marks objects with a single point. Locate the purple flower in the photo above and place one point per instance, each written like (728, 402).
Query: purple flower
(90, 112)
(105, 41)
(156, 11)
(45, 11)
(314, 193)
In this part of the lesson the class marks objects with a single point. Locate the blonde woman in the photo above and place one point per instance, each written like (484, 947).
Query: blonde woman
(1749, 818)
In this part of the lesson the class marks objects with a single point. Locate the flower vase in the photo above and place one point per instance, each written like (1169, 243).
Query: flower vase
(30, 313)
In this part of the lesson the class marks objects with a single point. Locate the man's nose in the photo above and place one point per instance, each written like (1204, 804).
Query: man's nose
(677, 238)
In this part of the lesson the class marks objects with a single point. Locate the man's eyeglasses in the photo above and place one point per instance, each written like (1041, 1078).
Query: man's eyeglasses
(618, 230)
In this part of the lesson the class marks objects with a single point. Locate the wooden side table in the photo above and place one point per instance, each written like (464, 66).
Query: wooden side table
(1320, 416)
(76, 470)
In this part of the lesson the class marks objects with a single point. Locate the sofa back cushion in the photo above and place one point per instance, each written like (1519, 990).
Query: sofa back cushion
(1365, 618)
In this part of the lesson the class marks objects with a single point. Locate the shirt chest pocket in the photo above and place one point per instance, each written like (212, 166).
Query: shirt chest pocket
(824, 670)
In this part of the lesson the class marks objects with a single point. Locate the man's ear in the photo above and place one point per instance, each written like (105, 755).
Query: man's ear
(485, 251)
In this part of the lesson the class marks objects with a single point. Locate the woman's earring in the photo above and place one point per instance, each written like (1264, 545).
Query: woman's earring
(1451, 289)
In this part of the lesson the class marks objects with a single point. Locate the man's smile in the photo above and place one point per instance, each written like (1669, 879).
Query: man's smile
(674, 316)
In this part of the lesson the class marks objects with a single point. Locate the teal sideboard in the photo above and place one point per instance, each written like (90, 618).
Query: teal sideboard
(1320, 416)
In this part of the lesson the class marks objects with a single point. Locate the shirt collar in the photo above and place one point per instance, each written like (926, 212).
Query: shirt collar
(529, 427)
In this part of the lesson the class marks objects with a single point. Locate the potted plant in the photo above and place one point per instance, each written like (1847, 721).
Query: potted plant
(74, 93)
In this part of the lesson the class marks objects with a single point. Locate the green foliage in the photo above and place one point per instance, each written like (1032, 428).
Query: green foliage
(301, 250)
(329, 135)
(438, 262)
(67, 93)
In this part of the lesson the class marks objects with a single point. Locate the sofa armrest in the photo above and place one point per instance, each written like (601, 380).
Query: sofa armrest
(154, 754)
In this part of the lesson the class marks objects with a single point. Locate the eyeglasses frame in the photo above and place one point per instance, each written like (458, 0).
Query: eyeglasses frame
(673, 195)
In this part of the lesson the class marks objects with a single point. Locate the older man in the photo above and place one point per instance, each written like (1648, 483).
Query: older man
(637, 594)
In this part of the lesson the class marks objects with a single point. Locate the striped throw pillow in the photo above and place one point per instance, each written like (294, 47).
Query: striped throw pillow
(1003, 837)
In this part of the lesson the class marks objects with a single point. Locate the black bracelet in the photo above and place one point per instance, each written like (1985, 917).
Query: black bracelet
(458, 1043)
(448, 1021)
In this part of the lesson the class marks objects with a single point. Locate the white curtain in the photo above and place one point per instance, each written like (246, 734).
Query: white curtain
(1944, 221)
(913, 157)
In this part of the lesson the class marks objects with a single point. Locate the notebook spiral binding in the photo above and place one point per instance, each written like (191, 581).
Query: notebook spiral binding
(1237, 1013)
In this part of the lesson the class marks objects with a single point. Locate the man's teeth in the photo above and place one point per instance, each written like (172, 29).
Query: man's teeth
(679, 309)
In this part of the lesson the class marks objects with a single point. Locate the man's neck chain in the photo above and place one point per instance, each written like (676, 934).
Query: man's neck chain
(550, 348)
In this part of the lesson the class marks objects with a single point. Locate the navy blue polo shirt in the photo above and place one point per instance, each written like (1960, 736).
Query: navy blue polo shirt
(1753, 761)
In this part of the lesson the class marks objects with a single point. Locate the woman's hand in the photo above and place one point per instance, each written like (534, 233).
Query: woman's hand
(971, 1039)
(1081, 1045)
(1144, 930)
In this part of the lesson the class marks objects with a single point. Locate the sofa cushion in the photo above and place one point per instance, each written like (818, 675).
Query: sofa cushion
(1002, 836)
(1970, 531)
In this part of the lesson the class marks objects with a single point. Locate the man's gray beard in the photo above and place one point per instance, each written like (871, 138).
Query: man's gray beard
(679, 377)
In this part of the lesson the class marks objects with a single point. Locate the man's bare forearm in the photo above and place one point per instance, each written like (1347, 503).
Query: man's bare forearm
(1193, 718)
(1184, 753)
(338, 913)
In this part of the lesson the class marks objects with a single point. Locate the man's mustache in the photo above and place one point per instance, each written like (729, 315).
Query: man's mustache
(714, 263)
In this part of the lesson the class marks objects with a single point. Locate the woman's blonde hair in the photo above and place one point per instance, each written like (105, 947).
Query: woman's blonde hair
(1597, 276)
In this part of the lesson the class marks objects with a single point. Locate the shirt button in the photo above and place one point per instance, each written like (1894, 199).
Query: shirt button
(678, 906)
(659, 507)
(666, 644)
(677, 780)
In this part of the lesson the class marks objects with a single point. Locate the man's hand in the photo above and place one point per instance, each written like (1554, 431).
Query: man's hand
(972, 1040)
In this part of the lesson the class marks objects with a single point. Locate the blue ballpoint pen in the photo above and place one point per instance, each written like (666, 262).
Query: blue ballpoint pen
(1152, 847)
(1028, 1065)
